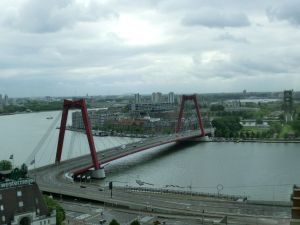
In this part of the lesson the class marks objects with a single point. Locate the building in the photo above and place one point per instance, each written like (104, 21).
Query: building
(21, 202)
(171, 98)
(295, 197)
(97, 118)
(252, 123)
(152, 107)
(137, 98)
(5, 102)
(288, 105)
(156, 97)
(1, 105)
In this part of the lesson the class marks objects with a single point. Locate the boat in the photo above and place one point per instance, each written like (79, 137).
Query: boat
(49, 118)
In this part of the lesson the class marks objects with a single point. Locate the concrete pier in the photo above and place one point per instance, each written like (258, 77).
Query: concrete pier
(98, 174)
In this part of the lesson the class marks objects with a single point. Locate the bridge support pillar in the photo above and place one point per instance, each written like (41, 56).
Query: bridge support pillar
(98, 173)
(193, 98)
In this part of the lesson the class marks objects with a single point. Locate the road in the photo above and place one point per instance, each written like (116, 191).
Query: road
(52, 179)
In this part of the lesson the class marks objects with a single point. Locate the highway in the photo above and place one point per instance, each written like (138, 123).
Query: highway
(52, 179)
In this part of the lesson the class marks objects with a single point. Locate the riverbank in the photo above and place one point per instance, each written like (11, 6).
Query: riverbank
(257, 140)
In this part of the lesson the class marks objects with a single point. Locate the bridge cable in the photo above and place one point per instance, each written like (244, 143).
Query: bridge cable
(96, 144)
(45, 151)
(71, 145)
(32, 155)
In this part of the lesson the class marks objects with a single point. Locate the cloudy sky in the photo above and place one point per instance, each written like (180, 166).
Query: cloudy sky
(103, 47)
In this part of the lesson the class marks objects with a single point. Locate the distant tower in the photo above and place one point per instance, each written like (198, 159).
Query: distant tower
(1, 105)
(5, 100)
(171, 98)
(288, 105)
(137, 98)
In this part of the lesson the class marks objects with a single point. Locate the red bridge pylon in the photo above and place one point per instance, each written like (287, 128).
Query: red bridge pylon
(79, 104)
(194, 99)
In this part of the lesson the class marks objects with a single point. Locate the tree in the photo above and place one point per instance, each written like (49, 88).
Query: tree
(296, 125)
(226, 126)
(53, 205)
(259, 121)
(275, 128)
(24, 170)
(135, 222)
(5, 165)
(15, 174)
(217, 108)
(258, 135)
(114, 222)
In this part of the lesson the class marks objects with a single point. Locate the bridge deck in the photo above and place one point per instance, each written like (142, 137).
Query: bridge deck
(117, 153)
(81, 164)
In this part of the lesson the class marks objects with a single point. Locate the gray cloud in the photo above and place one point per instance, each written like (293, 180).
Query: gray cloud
(51, 16)
(78, 47)
(215, 19)
(230, 37)
(287, 10)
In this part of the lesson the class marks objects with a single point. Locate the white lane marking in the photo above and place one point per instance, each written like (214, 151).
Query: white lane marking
(179, 203)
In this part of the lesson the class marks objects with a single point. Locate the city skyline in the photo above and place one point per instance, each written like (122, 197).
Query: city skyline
(71, 48)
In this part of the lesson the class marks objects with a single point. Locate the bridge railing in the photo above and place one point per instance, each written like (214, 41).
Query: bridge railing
(183, 192)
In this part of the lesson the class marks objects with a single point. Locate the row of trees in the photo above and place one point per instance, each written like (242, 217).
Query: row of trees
(228, 127)
(33, 106)
(53, 205)
(15, 173)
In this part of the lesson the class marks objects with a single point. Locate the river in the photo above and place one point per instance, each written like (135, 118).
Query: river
(261, 171)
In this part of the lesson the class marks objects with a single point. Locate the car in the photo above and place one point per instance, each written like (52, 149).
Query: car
(82, 186)
(102, 221)
(100, 189)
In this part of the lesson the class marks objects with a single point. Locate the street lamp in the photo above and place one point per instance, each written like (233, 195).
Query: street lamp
(110, 185)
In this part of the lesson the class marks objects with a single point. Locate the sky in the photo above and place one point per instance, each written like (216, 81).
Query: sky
(112, 47)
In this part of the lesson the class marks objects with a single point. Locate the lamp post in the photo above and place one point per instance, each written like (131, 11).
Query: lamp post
(11, 157)
(110, 185)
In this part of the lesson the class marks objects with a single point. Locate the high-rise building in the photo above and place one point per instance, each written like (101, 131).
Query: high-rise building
(171, 98)
(1, 105)
(156, 97)
(5, 103)
(288, 105)
(137, 98)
